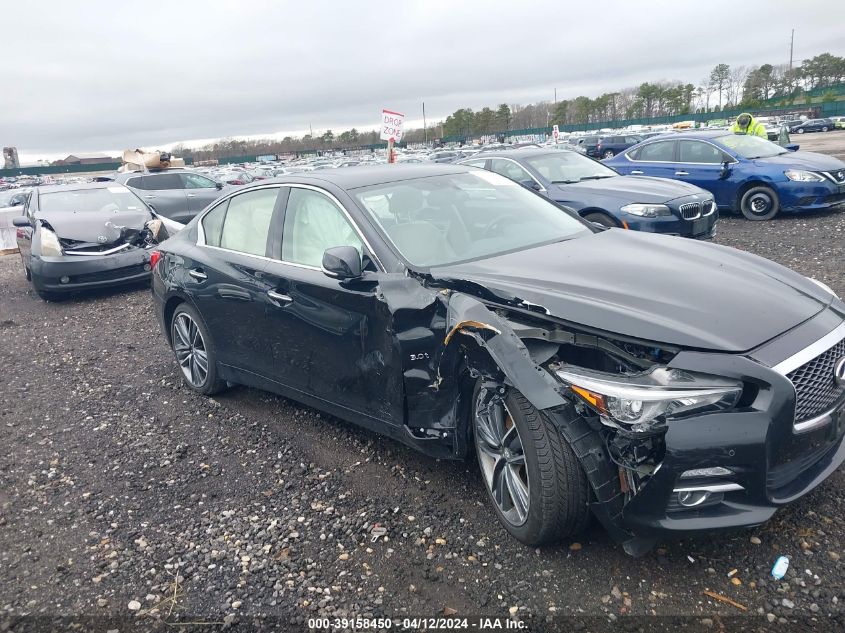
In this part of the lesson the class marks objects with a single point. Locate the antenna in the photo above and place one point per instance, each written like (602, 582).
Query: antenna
(791, 47)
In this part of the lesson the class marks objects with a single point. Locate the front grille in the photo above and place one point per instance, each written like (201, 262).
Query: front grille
(836, 176)
(815, 384)
(690, 210)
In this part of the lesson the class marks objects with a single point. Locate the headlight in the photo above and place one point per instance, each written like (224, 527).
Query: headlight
(823, 286)
(50, 245)
(800, 175)
(646, 210)
(642, 400)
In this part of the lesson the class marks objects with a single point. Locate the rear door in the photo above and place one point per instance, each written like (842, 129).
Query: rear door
(165, 193)
(327, 338)
(226, 279)
(199, 191)
(651, 159)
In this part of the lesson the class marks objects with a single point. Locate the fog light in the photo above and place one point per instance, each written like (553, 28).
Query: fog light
(692, 498)
(65, 279)
(147, 267)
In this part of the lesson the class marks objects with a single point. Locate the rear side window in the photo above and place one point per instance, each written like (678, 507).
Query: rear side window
(659, 151)
(212, 224)
(138, 182)
(162, 182)
(247, 221)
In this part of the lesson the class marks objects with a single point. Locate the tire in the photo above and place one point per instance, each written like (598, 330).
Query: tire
(800, 130)
(601, 218)
(534, 460)
(824, 129)
(608, 154)
(763, 197)
(192, 345)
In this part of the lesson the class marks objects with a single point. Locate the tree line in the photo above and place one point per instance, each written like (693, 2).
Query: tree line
(725, 87)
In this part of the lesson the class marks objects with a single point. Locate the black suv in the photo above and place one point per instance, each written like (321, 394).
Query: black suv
(610, 146)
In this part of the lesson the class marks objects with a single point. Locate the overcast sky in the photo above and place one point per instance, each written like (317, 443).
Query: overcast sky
(93, 76)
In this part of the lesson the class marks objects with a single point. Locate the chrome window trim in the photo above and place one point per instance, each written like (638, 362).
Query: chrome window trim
(201, 231)
(733, 160)
(522, 167)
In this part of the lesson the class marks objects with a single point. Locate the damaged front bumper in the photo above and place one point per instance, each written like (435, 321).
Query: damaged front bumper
(70, 273)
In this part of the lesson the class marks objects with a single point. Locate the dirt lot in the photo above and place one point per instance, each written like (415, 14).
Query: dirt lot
(832, 142)
(124, 498)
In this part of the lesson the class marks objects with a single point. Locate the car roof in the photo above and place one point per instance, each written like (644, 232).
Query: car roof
(694, 134)
(355, 177)
(527, 152)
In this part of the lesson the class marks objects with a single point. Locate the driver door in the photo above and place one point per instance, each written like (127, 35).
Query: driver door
(329, 339)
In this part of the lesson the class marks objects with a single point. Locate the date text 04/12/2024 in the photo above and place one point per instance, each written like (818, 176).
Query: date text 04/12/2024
(416, 624)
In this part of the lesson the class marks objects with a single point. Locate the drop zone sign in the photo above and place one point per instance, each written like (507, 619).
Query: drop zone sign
(391, 125)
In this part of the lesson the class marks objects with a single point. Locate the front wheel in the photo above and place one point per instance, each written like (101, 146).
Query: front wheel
(194, 351)
(601, 218)
(824, 129)
(609, 154)
(800, 130)
(533, 478)
(759, 203)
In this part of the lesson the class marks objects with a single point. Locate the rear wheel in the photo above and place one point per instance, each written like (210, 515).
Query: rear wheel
(609, 154)
(759, 203)
(601, 218)
(194, 351)
(533, 478)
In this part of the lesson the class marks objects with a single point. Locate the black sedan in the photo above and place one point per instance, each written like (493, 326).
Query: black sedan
(811, 125)
(85, 236)
(599, 194)
(663, 385)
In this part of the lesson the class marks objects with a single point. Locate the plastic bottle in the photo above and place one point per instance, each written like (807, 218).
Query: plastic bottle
(780, 567)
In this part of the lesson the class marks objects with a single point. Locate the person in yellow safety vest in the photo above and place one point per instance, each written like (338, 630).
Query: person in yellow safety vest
(746, 124)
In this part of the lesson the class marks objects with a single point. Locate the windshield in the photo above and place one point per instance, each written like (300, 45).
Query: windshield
(568, 167)
(105, 200)
(441, 220)
(751, 146)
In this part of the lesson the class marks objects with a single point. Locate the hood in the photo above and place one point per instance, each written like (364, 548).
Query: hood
(656, 288)
(803, 160)
(90, 226)
(630, 189)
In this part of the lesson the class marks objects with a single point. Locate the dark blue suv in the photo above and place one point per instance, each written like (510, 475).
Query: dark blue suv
(610, 146)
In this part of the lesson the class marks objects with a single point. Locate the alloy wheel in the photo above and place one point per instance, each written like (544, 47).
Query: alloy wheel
(191, 353)
(609, 154)
(502, 460)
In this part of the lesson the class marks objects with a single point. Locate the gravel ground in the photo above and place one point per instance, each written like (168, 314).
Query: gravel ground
(126, 499)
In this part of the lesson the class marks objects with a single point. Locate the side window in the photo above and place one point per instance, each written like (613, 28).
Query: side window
(247, 221)
(476, 163)
(659, 151)
(509, 169)
(698, 152)
(138, 183)
(212, 224)
(162, 182)
(314, 223)
(195, 181)
(632, 139)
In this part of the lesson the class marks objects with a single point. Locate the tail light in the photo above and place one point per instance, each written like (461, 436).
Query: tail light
(237, 182)
(154, 257)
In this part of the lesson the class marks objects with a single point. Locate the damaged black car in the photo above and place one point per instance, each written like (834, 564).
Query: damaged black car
(661, 385)
(86, 236)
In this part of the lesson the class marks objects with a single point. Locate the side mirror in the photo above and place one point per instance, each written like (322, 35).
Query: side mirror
(530, 184)
(725, 171)
(342, 262)
(219, 185)
(21, 221)
(792, 147)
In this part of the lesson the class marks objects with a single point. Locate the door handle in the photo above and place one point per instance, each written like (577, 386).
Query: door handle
(197, 274)
(191, 195)
(636, 172)
(682, 173)
(149, 197)
(279, 297)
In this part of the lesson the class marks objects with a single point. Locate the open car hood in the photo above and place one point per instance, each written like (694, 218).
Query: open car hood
(656, 288)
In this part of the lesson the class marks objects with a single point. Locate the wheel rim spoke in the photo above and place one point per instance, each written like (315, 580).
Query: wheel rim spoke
(189, 347)
(502, 460)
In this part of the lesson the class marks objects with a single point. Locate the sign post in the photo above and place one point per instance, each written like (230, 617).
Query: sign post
(391, 131)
